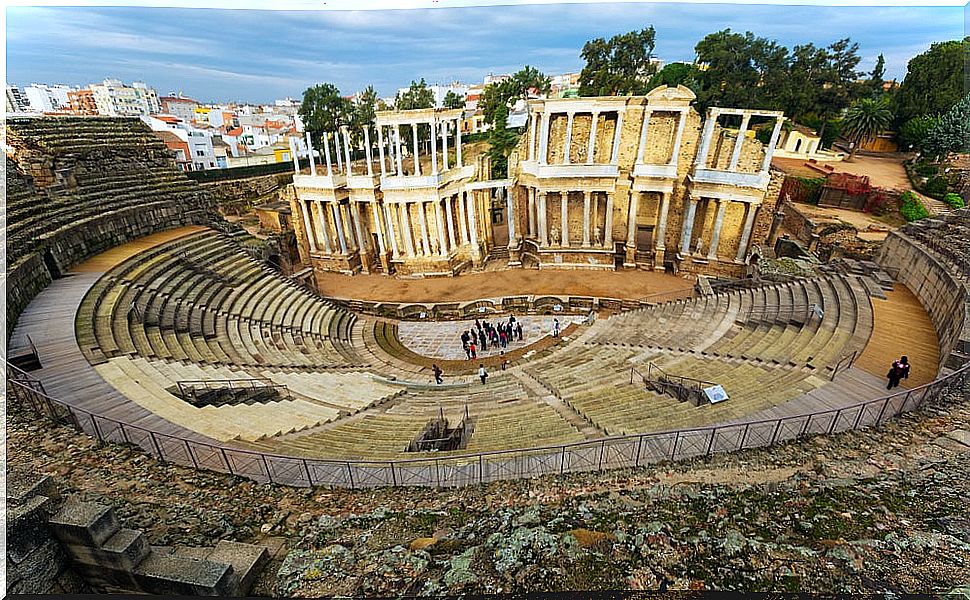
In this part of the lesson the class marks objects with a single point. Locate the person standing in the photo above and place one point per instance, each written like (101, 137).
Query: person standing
(437, 373)
(482, 373)
(555, 328)
(471, 348)
(518, 330)
(897, 372)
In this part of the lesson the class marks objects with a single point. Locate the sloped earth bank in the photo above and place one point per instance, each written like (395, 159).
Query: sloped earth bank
(880, 510)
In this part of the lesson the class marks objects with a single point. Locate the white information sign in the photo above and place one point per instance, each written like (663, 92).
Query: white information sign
(715, 394)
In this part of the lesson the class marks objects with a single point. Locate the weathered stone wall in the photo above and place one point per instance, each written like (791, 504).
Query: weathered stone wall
(945, 298)
(237, 196)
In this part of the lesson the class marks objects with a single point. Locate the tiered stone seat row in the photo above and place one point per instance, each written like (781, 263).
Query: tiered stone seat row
(772, 354)
(948, 236)
(201, 299)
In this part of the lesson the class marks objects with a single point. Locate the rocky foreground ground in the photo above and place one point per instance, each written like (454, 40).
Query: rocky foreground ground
(881, 510)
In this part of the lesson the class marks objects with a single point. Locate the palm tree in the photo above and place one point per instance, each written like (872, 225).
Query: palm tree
(864, 120)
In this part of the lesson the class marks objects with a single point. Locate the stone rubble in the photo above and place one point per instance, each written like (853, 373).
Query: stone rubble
(881, 510)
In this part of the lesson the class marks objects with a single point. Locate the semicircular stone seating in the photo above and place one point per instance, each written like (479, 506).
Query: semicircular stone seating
(199, 309)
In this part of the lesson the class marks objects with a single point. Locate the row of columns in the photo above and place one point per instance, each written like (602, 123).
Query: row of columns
(387, 149)
(687, 232)
(392, 222)
(392, 149)
(544, 123)
(538, 227)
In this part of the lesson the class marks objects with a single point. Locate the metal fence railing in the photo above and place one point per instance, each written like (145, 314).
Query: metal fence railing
(25, 392)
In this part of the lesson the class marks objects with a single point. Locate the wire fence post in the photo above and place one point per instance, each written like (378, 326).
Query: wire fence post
(774, 436)
(710, 444)
(602, 452)
(350, 475)
(835, 421)
(639, 449)
(882, 410)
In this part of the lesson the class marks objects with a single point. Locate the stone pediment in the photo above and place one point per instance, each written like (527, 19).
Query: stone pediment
(670, 96)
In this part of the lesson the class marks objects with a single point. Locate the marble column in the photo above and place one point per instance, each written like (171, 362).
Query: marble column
(472, 222)
(458, 143)
(309, 151)
(443, 247)
(564, 204)
(346, 135)
(569, 138)
(397, 153)
(706, 136)
(591, 149)
(770, 150)
(642, 147)
(544, 138)
(406, 227)
(631, 219)
(510, 205)
(391, 230)
(326, 152)
(417, 159)
(718, 223)
(450, 219)
(380, 230)
(608, 227)
(349, 221)
(738, 143)
(586, 225)
(688, 229)
(675, 153)
(308, 224)
(531, 208)
(339, 226)
(423, 220)
(324, 227)
(444, 145)
(751, 210)
(354, 209)
(336, 149)
(661, 232)
(543, 221)
(432, 134)
(296, 159)
(615, 156)
(462, 219)
(370, 167)
(532, 137)
(380, 148)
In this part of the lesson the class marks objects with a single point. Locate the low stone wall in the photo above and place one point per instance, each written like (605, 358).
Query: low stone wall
(797, 224)
(943, 296)
(66, 546)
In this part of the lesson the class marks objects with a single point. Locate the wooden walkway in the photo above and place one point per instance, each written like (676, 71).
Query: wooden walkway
(102, 263)
(901, 326)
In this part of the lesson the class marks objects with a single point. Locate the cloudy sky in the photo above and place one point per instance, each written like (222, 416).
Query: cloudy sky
(258, 55)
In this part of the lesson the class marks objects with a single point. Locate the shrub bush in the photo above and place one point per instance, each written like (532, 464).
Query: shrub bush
(879, 203)
(937, 187)
(927, 170)
(911, 208)
(954, 200)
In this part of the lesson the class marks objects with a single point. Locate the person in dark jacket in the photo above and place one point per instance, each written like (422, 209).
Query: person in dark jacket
(437, 373)
(897, 372)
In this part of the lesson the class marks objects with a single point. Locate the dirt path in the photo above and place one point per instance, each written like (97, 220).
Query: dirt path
(630, 285)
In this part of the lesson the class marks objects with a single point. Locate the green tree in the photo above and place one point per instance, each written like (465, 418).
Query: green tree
(619, 66)
(418, 95)
(741, 71)
(676, 74)
(873, 86)
(501, 142)
(952, 132)
(839, 87)
(323, 110)
(454, 100)
(362, 115)
(516, 87)
(864, 120)
(935, 80)
(913, 133)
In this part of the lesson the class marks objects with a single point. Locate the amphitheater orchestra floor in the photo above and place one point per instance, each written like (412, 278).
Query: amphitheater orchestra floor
(442, 339)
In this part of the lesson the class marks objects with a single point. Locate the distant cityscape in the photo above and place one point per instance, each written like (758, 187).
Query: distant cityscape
(226, 135)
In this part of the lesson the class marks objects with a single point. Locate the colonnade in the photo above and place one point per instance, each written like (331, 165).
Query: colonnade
(719, 205)
(543, 125)
(595, 233)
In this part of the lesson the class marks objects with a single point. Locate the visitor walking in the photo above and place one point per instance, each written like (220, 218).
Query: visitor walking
(437, 373)
(898, 371)
(482, 373)
(555, 328)
(471, 348)
(518, 330)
